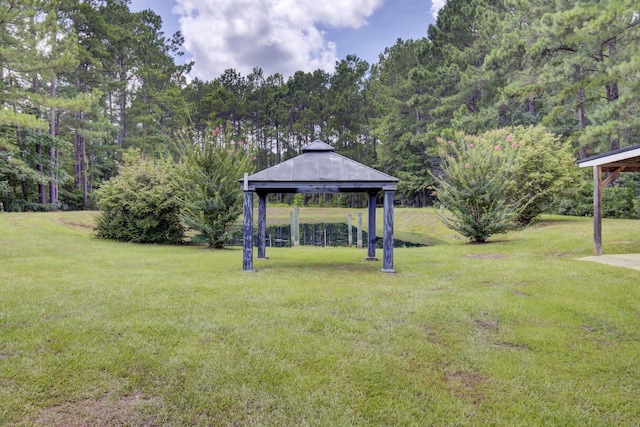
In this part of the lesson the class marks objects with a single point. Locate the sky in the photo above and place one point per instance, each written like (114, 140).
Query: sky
(285, 36)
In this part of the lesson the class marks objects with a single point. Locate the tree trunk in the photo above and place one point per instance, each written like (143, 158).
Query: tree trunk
(581, 120)
(122, 135)
(39, 167)
(532, 107)
(145, 102)
(53, 178)
(472, 105)
(612, 93)
(83, 172)
(23, 182)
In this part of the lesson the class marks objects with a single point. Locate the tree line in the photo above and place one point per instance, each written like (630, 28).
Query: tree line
(82, 82)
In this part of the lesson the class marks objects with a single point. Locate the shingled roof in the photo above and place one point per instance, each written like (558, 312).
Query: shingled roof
(319, 169)
(627, 158)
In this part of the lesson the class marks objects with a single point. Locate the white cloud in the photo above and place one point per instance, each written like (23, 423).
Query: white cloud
(436, 5)
(280, 36)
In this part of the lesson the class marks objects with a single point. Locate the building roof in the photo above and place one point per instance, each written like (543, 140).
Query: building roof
(627, 158)
(319, 169)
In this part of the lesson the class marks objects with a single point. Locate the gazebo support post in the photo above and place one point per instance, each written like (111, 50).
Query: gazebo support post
(371, 255)
(597, 210)
(387, 244)
(262, 225)
(247, 241)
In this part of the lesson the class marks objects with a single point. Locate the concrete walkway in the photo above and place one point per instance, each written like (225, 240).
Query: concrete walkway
(622, 260)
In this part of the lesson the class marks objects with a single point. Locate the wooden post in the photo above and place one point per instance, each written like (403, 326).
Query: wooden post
(359, 230)
(371, 250)
(387, 255)
(295, 232)
(292, 226)
(597, 210)
(325, 235)
(350, 233)
(247, 245)
(262, 225)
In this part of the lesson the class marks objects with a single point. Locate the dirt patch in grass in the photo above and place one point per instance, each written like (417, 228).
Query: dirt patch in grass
(485, 256)
(541, 224)
(81, 225)
(110, 410)
(487, 324)
(565, 254)
(432, 336)
(85, 225)
(465, 385)
(493, 284)
(521, 294)
(516, 346)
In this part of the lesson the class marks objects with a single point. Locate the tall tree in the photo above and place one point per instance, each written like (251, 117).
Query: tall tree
(157, 108)
(400, 119)
(308, 110)
(36, 49)
(580, 48)
(347, 101)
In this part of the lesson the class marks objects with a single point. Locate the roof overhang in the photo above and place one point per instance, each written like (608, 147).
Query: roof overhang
(320, 187)
(626, 159)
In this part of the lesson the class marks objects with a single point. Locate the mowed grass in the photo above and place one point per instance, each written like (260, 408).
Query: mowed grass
(513, 332)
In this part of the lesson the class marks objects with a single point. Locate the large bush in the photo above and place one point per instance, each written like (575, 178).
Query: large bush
(211, 196)
(473, 186)
(492, 181)
(140, 204)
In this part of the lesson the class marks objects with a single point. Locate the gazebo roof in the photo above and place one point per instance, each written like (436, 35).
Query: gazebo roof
(319, 169)
(625, 159)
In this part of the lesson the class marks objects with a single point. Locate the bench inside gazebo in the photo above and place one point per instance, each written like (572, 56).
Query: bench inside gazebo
(614, 162)
(319, 169)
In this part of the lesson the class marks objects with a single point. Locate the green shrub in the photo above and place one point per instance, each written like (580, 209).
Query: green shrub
(211, 196)
(619, 200)
(545, 169)
(140, 204)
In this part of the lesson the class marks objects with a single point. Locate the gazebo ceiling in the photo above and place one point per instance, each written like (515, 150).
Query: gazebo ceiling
(319, 169)
(625, 159)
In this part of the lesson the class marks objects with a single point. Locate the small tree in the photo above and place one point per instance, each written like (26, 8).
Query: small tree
(211, 197)
(139, 204)
(473, 186)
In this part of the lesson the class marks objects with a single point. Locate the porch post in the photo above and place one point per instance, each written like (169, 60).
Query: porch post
(262, 225)
(387, 256)
(597, 210)
(247, 241)
(371, 255)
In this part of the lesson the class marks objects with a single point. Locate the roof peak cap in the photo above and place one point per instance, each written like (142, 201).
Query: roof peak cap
(317, 146)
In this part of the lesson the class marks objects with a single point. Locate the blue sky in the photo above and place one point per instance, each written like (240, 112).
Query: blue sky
(284, 36)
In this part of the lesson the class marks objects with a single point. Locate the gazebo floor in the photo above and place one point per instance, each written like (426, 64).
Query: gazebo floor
(620, 260)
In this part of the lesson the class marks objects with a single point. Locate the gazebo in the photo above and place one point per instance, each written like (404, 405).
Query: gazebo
(319, 169)
(615, 162)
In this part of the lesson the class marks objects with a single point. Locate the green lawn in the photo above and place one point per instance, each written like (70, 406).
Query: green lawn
(513, 332)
